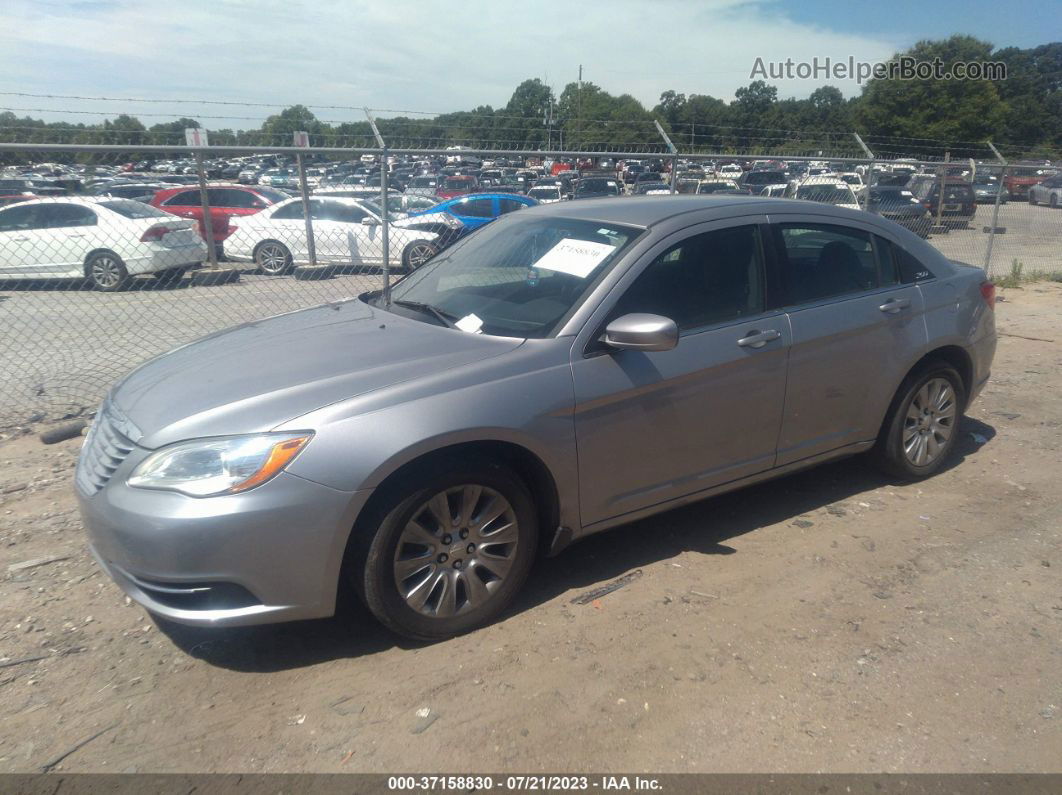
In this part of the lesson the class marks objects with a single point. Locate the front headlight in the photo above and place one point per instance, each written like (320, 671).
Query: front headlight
(220, 465)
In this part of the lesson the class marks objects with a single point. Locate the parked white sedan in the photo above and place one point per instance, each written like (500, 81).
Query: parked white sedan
(105, 240)
(345, 231)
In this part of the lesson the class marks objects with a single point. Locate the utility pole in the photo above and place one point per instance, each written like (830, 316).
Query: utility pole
(579, 104)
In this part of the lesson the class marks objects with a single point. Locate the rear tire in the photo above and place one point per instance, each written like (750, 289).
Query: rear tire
(1053, 201)
(415, 572)
(921, 426)
(107, 272)
(272, 258)
(418, 253)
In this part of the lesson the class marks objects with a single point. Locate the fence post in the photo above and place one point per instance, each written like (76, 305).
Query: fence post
(995, 208)
(311, 244)
(674, 154)
(208, 221)
(385, 238)
(940, 199)
(870, 171)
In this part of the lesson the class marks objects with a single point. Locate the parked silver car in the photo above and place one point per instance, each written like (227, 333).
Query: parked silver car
(564, 370)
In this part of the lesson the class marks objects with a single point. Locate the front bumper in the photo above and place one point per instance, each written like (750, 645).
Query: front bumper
(271, 554)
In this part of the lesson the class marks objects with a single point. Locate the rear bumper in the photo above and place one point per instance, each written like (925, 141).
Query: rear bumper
(162, 258)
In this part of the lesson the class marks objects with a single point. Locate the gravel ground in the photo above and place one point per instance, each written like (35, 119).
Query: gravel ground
(828, 621)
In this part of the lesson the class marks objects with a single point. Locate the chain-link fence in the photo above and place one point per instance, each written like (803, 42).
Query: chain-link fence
(112, 254)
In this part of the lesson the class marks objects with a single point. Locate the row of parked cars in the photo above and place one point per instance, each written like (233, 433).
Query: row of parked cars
(259, 217)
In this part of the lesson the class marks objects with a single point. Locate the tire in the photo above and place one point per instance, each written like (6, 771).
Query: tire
(1031, 199)
(272, 258)
(446, 590)
(1053, 201)
(106, 271)
(913, 444)
(417, 253)
(170, 277)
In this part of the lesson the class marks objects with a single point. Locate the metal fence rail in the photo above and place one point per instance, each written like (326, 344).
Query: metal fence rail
(101, 278)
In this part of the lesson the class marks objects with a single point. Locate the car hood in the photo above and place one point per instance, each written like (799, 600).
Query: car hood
(256, 376)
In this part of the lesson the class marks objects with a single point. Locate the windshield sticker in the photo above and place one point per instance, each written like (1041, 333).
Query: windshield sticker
(470, 323)
(575, 257)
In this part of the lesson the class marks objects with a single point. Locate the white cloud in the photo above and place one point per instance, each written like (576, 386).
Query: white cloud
(412, 54)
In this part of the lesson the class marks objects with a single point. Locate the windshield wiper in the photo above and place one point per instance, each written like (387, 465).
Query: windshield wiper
(442, 316)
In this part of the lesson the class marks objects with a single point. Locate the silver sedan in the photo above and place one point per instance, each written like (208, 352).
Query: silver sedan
(564, 370)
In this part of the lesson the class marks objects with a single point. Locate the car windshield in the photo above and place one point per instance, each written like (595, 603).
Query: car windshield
(517, 277)
(893, 196)
(827, 194)
(132, 209)
(272, 195)
(765, 178)
(458, 183)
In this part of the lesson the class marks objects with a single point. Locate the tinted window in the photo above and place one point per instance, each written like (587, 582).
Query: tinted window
(510, 205)
(909, 268)
(57, 216)
(226, 197)
(474, 208)
(188, 198)
(708, 278)
(18, 218)
(289, 212)
(272, 196)
(823, 260)
(337, 211)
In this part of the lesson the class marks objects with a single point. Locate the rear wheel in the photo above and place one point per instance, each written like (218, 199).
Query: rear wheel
(449, 550)
(1053, 201)
(272, 258)
(107, 272)
(921, 427)
(417, 253)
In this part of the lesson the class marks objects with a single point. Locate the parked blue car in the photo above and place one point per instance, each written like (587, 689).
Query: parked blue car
(476, 209)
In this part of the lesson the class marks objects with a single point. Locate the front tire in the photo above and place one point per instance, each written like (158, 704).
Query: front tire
(922, 424)
(272, 258)
(449, 549)
(418, 253)
(107, 272)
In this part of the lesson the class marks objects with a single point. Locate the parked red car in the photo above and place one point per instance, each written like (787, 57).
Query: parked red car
(456, 186)
(225, 201)
(1019, 180)
(7, 197)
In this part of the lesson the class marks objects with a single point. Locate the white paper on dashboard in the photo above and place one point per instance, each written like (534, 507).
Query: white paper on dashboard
(470, 323)
(577, 257)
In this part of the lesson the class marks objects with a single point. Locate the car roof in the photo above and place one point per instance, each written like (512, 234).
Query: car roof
(86, 200)
(647, 211)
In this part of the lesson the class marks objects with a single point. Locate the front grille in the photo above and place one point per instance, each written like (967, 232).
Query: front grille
(104, 450)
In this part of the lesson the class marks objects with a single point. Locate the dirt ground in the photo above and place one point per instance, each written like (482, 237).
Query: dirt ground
(829, 621)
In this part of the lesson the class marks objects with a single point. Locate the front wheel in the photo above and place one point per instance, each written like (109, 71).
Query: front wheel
(922, 425)
(272, 258)
(417, 253)
(107, 272)
(449, 550)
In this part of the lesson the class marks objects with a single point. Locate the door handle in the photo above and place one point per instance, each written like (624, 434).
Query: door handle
(894, 305)
(19, 239)
(757, 339)
(75, 236)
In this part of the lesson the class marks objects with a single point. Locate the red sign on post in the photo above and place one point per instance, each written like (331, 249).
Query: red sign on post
(302, 139)
(195, 136)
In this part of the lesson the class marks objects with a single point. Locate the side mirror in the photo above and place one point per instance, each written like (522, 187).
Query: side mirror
(368, 220)
(642, 332)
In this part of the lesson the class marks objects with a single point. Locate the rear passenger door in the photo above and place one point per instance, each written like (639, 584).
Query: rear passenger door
(856, 329)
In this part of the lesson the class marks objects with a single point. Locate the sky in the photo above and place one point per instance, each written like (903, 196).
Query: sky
(429, 56)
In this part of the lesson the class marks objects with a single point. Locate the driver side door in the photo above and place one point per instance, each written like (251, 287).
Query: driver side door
(653, 427)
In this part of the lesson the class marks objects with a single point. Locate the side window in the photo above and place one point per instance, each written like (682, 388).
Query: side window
(289, 212)
(226, 197)
(510, 205)
(336, 211)
(58, 216)
(474, 208)
(17, 219)
(823, 260)
(909, 268)
(888, 273)
(708, 278)
(187, 198)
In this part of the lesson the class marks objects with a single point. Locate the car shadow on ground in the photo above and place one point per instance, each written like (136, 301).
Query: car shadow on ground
(701, 527)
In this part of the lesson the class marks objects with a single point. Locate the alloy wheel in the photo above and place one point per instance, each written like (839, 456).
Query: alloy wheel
(419, 253)
(107, 272)
(930, 422)
(272, 258)
(456, 551)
